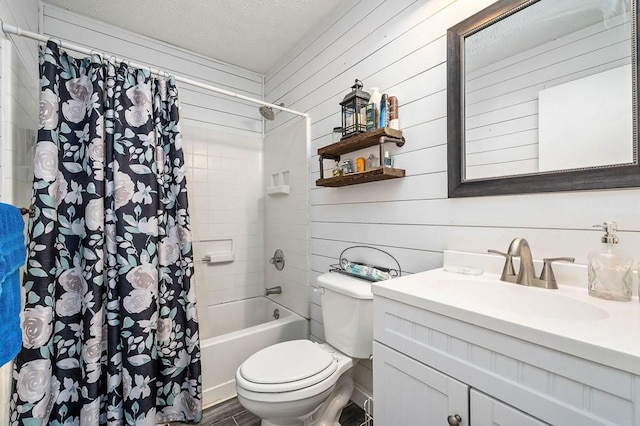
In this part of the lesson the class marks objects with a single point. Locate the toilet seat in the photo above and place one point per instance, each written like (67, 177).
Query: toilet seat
(286, 367)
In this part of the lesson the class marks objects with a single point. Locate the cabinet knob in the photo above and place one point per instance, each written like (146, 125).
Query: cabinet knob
(454, 420)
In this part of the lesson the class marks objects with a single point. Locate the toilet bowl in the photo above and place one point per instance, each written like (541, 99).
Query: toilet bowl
(303, 383)
(296, 382)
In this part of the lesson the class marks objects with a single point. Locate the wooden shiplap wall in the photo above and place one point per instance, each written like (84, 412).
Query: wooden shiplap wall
(400, 46)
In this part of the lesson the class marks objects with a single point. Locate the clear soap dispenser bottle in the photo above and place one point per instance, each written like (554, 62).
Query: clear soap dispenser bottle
(609, 268)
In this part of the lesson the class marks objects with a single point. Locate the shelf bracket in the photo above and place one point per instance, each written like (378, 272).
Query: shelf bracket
(326, 157)
(384, 139)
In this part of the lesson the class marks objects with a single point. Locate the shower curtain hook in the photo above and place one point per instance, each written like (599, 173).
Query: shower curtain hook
(58, 42)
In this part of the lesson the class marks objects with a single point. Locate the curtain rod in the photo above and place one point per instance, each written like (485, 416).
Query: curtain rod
(12, 29)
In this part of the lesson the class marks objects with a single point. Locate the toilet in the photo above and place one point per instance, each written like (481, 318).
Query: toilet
(300, 382)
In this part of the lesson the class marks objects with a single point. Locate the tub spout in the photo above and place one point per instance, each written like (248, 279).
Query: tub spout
(273, 290)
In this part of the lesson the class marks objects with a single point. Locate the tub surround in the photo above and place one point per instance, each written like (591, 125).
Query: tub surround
(560, 356)
(286, 218)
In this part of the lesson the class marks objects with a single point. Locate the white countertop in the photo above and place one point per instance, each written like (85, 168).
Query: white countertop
(567, 319)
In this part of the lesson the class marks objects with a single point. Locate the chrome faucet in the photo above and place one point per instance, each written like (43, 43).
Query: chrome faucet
(526, 275)
(273, 290)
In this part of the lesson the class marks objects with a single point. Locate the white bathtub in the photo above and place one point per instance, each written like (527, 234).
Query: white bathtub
(231, 332)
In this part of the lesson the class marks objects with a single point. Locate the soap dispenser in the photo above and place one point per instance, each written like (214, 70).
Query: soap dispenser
(610, 271)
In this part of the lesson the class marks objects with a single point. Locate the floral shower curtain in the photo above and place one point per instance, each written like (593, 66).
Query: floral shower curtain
(110, 333)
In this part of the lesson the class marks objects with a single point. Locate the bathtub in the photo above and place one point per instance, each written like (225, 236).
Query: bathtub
(231, 332)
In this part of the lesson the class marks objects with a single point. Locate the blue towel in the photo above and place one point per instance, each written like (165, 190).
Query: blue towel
(12, 256)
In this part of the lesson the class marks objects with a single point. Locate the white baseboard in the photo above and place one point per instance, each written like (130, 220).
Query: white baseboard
(360, 395)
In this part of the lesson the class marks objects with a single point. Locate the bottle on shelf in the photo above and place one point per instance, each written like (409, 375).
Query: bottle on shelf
(373, 162)
(394, 122)
(374, 106)
(388, 160)
(384, 111)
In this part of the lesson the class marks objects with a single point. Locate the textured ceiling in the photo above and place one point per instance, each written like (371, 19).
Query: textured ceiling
(253, 34)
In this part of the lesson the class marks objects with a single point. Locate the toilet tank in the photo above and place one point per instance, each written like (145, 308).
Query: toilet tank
(347, 313)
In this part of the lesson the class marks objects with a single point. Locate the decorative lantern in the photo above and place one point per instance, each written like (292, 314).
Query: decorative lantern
(354, 107)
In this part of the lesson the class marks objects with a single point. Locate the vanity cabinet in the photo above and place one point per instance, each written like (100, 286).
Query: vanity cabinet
(489, 411)
(428, 366)
(407, 392)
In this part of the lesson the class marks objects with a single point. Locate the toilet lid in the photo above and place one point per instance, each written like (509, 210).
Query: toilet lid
(292, 365)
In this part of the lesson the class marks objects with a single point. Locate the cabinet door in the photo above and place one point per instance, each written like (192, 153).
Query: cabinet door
(488, 411)
(408, 393)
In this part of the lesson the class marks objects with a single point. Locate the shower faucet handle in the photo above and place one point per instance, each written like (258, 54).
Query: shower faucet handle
(278, 260)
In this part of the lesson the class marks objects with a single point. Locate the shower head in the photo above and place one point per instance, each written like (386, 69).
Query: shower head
(268, 113)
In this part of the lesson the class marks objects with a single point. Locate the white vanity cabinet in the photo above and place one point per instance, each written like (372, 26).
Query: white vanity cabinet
(430, 365)
(489, 411)
(410, 393)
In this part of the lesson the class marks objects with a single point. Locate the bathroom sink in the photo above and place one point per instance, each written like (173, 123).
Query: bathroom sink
(521, 300)
(566, 319)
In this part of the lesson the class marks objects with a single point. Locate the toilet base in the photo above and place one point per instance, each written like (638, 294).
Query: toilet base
(326, 414)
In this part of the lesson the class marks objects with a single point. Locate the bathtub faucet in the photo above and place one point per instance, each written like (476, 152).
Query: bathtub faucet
(273, 290)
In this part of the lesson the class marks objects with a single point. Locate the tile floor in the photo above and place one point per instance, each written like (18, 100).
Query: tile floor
(231, 413)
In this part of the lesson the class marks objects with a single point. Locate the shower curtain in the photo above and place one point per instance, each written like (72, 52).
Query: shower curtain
(110, 333)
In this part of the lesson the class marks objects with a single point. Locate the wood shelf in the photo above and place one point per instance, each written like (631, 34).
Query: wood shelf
(381, 173)
(361, 141)
(364, 140)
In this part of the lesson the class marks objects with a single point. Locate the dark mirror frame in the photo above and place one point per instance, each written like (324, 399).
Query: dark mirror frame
(623, 176)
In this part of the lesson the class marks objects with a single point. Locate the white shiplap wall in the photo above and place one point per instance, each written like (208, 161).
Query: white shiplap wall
(400, 46)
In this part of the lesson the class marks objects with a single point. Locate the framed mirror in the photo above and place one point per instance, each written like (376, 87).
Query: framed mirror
(542, 97)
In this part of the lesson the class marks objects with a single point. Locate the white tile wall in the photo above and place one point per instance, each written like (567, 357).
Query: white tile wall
(400, 46)
(287, 216)
(19, 118)
(225, 178)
